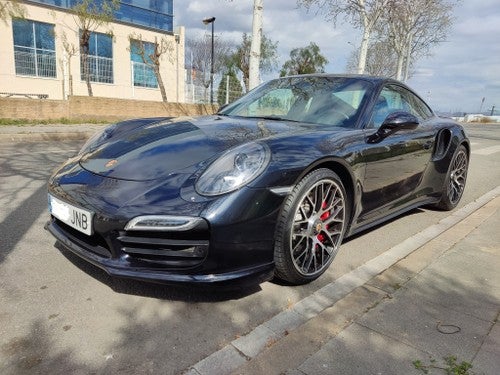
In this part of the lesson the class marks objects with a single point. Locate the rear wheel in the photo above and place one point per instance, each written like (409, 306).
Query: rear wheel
(455, 180)
(311, 227)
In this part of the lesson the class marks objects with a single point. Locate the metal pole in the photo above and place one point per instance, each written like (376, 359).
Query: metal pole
(212, 68)
(206, 21)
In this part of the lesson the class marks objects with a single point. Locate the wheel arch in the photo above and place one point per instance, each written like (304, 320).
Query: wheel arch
(346, 175)
(466, 144)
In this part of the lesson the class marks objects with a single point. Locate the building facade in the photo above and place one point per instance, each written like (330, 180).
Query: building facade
(41, 54)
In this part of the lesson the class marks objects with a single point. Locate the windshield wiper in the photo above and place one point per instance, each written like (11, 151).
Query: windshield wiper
(271, 117)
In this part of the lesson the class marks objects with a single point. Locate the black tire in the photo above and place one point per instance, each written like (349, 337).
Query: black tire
(455, 180)
(310, 230)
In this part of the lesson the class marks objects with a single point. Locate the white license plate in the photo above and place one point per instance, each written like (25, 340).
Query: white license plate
(73, 216)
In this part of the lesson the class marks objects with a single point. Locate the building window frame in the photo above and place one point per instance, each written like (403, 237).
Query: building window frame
(34, 48)
(99, 58)
(143, 74)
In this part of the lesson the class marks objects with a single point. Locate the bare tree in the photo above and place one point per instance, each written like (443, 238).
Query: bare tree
(363, 14)
(241, 57)
(380, 60)
(199, 50)
(152, 58)
(70, 50)
(11, 9)
(89, 15)
(414, 27)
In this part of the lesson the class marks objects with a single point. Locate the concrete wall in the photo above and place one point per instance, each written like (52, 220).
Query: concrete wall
(84, 107)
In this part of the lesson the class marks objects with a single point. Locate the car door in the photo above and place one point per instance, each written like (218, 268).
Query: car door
(394, 164)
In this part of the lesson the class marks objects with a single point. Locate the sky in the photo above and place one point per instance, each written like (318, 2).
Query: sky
(459, 74)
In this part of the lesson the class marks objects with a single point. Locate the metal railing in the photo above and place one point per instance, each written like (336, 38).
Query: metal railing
(100, 68)
(35, 62)
(143, 75)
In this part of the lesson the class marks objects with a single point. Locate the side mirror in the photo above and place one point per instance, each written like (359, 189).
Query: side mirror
(394, 122)
(399, 120)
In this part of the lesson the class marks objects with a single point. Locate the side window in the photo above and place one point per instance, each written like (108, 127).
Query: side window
(419, 108)
(388, 101)
(396, 98)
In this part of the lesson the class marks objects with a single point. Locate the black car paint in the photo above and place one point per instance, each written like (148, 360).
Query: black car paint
(383, 178)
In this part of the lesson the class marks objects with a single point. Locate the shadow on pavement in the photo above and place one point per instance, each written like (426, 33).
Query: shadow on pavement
(179, 292)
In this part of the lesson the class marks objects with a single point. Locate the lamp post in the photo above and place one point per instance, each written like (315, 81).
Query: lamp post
(206, 21)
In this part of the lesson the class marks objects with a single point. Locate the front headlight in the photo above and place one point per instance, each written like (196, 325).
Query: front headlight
(234, 169)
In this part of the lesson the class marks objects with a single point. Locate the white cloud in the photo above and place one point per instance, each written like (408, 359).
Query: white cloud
(457, 76)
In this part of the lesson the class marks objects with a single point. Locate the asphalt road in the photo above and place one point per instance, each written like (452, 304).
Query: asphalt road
(60, 315)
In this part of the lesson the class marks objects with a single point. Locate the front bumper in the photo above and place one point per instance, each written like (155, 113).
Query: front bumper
(166, 269)
(233, 242)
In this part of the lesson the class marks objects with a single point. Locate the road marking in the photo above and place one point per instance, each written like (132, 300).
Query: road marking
(487, 150)
(248, 346)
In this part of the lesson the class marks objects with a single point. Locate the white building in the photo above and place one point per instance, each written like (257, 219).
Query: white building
(40, 53)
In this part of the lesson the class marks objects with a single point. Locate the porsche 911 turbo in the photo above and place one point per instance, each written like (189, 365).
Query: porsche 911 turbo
(269, 186)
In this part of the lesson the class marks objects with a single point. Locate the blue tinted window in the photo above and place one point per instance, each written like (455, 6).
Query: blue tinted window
(142, 65)
(23, 33)
(156, 14)
(44, 36)
(100, 58)
(34, 48)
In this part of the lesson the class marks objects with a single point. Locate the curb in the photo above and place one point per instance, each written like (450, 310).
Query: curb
(245, 348)
(51, 132)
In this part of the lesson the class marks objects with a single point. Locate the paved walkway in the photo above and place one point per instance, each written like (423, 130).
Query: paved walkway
(439, 303)
(414, 308)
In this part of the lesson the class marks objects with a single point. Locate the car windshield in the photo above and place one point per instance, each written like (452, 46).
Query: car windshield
(322, 100)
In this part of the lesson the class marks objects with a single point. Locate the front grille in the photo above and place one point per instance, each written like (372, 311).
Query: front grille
(94, 244)
(179, 250)
(144, 249)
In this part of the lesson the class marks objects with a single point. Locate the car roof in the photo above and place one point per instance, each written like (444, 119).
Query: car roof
(366, 77)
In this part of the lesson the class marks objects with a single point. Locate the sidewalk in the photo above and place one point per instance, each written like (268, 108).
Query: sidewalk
(415, 308)
(440, 302)
(50, 132)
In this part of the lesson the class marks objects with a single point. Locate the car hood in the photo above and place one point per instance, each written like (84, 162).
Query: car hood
(149, 150)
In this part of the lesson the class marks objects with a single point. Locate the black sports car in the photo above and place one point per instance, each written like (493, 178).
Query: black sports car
(270, 185)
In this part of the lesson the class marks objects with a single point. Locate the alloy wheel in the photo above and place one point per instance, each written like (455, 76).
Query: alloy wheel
(318, 227)
(458, 175)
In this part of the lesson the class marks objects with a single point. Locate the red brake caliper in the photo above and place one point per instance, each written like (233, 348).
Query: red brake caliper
(326, 215)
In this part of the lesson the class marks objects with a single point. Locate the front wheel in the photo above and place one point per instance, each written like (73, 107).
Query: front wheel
(455, 180)
(311, 227)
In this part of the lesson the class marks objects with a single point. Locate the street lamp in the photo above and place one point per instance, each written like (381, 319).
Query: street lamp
(206, 21)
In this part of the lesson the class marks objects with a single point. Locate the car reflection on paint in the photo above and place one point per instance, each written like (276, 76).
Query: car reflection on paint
(267, 187)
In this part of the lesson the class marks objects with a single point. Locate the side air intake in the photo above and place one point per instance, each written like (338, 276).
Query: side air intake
(443, 141)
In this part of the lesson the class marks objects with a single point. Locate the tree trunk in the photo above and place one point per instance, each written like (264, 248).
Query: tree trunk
(246, 82)
(363, 51)
(399, 71)
(256, 44)
(160, 83)
(408, 58)
(86, 73)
